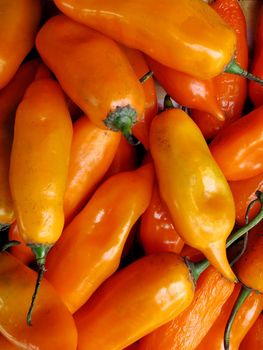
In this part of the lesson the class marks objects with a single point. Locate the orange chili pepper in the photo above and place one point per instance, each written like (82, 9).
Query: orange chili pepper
(187, 90)
(135, 301)
(187, 330)
(185, 35)
(142, 127)
(10, 96)
(91, 246)
(238, 148)
(131, 347)
(19, 23)
(192, 186)
(92, 152)
(192, 253)
(6, 345)
(39, 166)
(246, 317)
(254, 338)
(256, 90)
(22, 251)
(231, 90)
(94, 72)
(157, 232)
(244, 192)
(54, 327)
(125, 158)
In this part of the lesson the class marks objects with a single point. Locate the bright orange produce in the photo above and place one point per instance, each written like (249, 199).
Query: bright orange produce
(186, 35)
(254, 338)
(135, 301)
(53, 329)
(94, 72)
(6, 345)
(192, 186)
(187, 330)
(157, 232)
(10, 96)
(22, 251)
(91, 245)
(19, 21)
(39, 166)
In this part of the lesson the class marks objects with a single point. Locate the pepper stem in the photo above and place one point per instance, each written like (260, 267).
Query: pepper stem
(234, 68)
(243, 295)
(145, 77)
(4, 227)
(197, 268)
(122, 119)
(9, 245)
(167, 103)
(40, 251)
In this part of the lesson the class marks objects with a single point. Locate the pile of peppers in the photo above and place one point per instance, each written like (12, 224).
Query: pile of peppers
(130, 221)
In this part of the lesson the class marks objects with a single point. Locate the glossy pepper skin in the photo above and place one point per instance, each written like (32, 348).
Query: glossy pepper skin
(157, 232)
(6, 345)
(39, 170)
(92, 152)
(142, 127)
(256, 92)
(238, 148)
(244, 193)
(19, 21)
(231, 90)
(10, 96)
(16, 284)
(135, 301)
(192, 186)
(185, 35)
(245, 319)
(187, 90)
(94, 72)
(254, 338)
(91, 246)
(187, 330)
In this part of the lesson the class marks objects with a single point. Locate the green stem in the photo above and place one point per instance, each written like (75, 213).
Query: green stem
(243, 295)
(197, 268)
(167, 103)
(234, 68)
(145, 77)
(40, 251)
(4, 227)
(9, 245)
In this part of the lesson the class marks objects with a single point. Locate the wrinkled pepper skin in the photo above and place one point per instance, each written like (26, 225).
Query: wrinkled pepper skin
(244, 193)
(187, 90)
(187, 330)
(19, 21)
(192, 186)
(39, 162)
(254, 338)
(135, 301)
(91, 68)
(256, 90)
(142, 128)
(231, 90)
(244, 320)
(91, 246)
(16, 285)
(92, 152)
(157, 232)
(186, 35)
(238, 148)
(10, 97)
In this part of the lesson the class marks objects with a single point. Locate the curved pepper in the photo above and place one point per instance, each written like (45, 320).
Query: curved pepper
(244, 193)
(10, 96)
(254, 338)
(39, 166)
(21, 251)
(231, 90)
(19, 21)
(192, 186)
(142, 127)
(157, 232)
(54, 328)
(238, 148)
(185, 35)
(6, 345)
(187, 330)
(90, 248)
(94, 72)
(246, 317)
(256, 90)
(135, 301)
